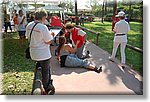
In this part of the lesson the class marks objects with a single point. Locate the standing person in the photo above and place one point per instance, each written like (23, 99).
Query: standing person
(56, 21)
(21, 28)
(15, 19)
(7, 23)
(67, 57)
(82, 19)
(76, 34)
(31, 18)
(121, 29)
(40, 47)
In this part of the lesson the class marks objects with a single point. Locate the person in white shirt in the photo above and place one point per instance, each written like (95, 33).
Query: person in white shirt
(40, 41)
(21, 28)
(121, 29)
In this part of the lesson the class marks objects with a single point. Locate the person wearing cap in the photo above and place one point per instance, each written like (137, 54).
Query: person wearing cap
(120, 38)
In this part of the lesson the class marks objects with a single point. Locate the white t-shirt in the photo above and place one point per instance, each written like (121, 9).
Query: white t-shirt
(21, 27)
(121, 27)
(39, 50)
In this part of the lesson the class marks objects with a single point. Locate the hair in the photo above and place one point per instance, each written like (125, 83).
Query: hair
(69, 26)
(20, 11)
(40, 13)
(62, 41)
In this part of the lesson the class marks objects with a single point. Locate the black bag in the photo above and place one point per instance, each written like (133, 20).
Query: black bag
(27, 51)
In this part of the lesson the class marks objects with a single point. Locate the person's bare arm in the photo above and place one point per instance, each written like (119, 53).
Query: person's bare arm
(72, 50)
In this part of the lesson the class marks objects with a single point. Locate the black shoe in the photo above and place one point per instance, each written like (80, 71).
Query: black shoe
(123, 67)
(50, 89)
(98, 70)
(88, 52)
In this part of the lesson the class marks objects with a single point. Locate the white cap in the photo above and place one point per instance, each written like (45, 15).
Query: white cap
(120, 14)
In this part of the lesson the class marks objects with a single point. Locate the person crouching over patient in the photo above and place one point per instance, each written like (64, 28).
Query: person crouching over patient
(67, 58)
(76, 34)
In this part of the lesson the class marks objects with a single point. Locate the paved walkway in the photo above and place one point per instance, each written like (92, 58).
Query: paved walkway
(112, 80)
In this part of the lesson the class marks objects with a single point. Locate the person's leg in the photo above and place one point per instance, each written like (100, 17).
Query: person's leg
(122, 50)
(22, 38)
(46, 72)
(115, 47)
(94, 68)
(80, 21)
(83, 21)
(6, 27)
(9, 24)
(73, 61)
(79, 52)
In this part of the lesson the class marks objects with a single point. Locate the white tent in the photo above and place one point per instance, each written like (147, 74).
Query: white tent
(53, 8)
(84, 8)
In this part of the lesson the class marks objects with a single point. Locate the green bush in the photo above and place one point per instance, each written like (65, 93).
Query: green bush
(108, 17)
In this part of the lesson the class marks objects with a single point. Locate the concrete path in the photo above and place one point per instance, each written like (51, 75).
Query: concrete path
(112, 80)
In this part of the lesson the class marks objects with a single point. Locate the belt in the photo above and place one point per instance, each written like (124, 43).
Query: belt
(119, 34)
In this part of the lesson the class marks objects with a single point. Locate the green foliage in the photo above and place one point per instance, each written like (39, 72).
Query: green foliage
(17, 83)
(108, 17)
(17, 70)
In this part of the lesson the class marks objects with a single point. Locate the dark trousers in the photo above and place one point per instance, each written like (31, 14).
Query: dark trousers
(46, 73)
(7, 24)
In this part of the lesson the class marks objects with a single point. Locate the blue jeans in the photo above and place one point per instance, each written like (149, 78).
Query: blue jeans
(73, 61)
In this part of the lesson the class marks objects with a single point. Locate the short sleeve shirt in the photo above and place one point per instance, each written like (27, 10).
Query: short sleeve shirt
(38, 48)
(21, 27)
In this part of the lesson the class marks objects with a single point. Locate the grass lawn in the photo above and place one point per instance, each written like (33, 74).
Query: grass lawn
(18, 71)
(135, 38)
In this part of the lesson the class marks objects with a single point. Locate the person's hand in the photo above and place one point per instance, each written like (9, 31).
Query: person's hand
(53, 34)
(114, 31)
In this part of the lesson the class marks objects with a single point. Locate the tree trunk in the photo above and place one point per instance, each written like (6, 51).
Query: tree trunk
(129, 16)
(115, 7)
(103, 13)
(105, 7)
(76, 13)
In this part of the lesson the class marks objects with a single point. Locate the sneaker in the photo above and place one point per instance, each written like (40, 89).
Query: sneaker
(98, 70)
(111, 59)
(50, 90)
